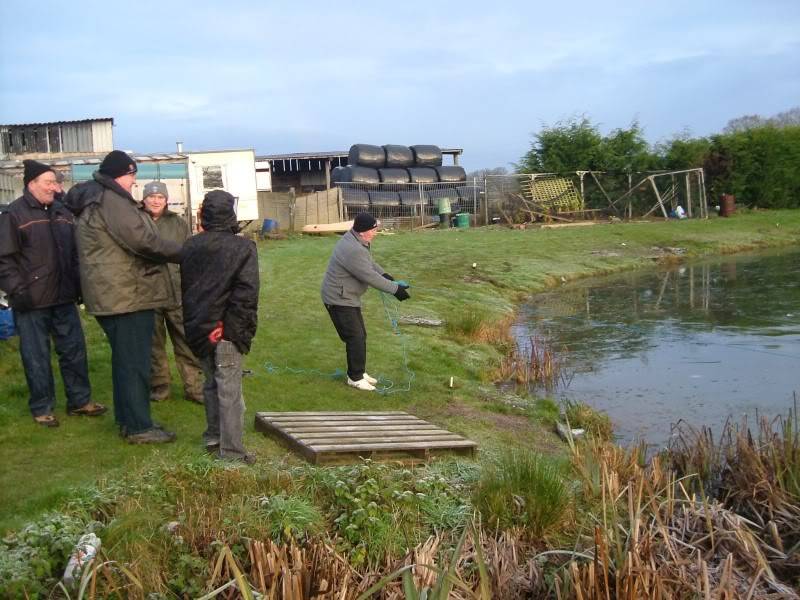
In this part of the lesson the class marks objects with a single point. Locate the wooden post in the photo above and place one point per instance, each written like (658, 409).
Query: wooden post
(327, 173)
(702, 194)
(485, 200)
(292, 206)
(421, 205)
(658, 195)
(688, 196)
(630, 206)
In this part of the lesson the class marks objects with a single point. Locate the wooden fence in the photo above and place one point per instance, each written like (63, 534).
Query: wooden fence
(293, 212)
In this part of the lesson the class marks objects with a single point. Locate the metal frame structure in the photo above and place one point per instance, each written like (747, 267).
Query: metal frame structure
(504, 192)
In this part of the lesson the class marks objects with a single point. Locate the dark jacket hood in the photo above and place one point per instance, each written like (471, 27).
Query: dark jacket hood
(218, 212)
(82, 195)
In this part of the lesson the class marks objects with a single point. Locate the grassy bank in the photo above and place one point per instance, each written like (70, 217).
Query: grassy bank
(43, 466)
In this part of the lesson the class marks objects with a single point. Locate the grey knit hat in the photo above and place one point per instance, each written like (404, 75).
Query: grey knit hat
(155, 187)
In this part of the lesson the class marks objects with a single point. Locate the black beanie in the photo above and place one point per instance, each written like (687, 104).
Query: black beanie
(364, 222)
(33, 169)
(116, 164)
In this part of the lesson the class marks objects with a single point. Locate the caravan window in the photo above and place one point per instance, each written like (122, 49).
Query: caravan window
(212, 178)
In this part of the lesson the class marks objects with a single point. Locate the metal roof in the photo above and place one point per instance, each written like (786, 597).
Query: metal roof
(94, 160)
(331, 154)
(58, 122)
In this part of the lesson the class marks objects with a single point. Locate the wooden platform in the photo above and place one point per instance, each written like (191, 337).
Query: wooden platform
(325, 437)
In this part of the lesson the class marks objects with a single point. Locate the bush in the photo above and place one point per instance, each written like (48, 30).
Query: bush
(757, 165)
(32, 559)
(522, 489)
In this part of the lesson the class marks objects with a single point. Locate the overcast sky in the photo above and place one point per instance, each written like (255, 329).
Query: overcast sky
(313, 76)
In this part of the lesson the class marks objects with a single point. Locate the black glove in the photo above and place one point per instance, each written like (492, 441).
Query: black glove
(387, 276)
(401, 294)
(21, 301)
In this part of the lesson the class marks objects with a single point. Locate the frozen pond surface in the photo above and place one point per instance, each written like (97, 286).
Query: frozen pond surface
(699, 342)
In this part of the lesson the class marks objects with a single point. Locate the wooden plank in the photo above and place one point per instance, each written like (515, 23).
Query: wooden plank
(406, 456)
(360, 428)
(341, 423)
(308, 437)
(372, 442)
(332, 413)
(392, 446)
(291, 441)
(335, 436)
(331, 419)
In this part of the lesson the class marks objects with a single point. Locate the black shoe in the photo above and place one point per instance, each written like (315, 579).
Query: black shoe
(151, 436)
(212, 448)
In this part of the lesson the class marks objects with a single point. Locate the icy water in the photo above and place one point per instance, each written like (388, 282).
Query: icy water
(698, 342)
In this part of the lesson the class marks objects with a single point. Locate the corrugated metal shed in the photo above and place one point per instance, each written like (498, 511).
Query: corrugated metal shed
(57, 137)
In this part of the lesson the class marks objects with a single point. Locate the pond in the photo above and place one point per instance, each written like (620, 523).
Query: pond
(700, 342)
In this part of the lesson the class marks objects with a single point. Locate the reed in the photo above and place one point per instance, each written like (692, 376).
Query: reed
(536, 364)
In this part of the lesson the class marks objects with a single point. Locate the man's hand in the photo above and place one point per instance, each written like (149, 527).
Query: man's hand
(401, 294)
(216, 334)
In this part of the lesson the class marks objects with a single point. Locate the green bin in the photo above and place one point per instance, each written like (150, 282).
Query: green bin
(462, 220)
(443, 206)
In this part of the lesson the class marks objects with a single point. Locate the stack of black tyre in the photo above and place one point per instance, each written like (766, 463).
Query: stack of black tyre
(405, 167)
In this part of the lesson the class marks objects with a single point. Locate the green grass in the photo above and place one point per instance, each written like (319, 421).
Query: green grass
(522, 488)
(42, 466)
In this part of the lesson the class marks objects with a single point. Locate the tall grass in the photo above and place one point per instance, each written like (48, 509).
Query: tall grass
(474, 324)
(596, 424)
(653, 533)
(535, 364)
(522, 489)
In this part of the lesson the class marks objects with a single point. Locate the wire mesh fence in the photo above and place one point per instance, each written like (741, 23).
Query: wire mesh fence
(412, 204)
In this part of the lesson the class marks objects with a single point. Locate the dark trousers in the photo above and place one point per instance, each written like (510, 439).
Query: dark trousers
(131, 337)
(349, 325)
(35, 328)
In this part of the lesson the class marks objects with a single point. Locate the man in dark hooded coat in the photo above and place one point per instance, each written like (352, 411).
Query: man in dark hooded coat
(219, 283)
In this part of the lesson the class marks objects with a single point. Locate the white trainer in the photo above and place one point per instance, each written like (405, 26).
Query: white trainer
(361, 384)
(370, 380)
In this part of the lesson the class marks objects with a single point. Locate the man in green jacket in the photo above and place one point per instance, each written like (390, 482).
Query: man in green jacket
(123, 279)
(170, 318)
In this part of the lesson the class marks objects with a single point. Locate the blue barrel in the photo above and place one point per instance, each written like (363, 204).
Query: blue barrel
(268, 226)
(7, 328)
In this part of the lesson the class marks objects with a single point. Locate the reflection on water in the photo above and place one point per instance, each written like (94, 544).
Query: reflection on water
(698, 342)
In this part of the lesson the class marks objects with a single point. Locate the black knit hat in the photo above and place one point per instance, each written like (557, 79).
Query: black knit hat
(33, 169)
(364, 222)
(116, 164)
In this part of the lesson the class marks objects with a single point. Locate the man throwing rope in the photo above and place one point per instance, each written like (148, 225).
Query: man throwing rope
(351, 271)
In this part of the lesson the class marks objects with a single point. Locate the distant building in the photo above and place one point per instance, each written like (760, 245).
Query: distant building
(308, 171)
(56, 139)
(188, 176)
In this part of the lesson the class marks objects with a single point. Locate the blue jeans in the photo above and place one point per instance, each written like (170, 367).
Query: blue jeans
(131, 338)
(35, 328)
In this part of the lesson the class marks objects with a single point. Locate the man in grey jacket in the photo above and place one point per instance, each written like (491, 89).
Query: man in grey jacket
(351, 271)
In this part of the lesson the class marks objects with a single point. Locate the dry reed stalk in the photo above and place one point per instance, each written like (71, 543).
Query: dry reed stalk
(652, 543)
(535, 364)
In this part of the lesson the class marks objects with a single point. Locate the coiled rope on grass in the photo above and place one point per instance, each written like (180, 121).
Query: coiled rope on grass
(385, 386)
